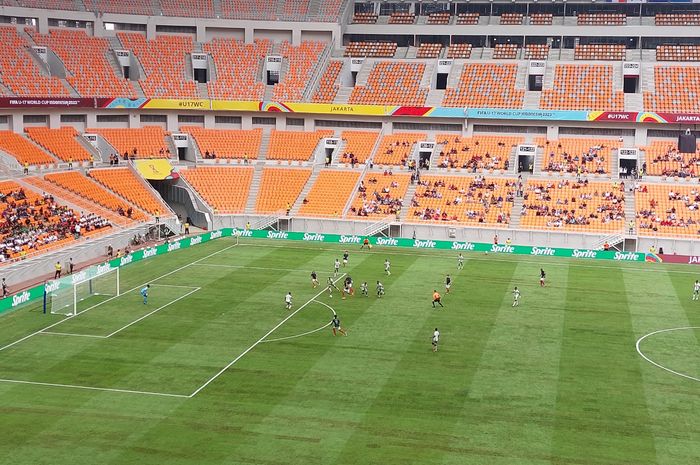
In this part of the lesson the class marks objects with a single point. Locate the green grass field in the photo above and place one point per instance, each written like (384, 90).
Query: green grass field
(557, 381)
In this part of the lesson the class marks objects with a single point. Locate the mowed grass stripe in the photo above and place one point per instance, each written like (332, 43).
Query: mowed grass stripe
(668, 394)
(601, 415)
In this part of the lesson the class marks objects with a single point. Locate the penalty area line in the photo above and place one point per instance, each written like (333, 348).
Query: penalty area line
(94, 388)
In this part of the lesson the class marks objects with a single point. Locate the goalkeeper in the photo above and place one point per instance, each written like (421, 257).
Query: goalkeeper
(144, 293)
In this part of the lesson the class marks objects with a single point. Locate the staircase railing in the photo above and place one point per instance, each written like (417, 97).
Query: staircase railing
(379, 226)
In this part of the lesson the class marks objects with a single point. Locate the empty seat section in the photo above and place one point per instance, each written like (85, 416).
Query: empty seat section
(677, 19)
(302, 60)
(583, 87)
(573, 206)
(19, 73)
(163, 60)
(295, 10)
(663, 159)
(23, 150)
(676, 89)
(394, 149)
(471, 200)
(568, 155)
(280, 188)
(600, 52)
(45, 4)
(476, 153)
(145, 142)
(61, 142)
(511, 19)
(392, 83)
(226, 143)
(125, 182)
(441, 18)
(136, 7)
(541, 19)
(238, 68)
(358, 146)
(486, 85)
(468, 19)
(85, 58)
(505, 51)
(402, 18)
(678, 53)
(292, 145)
(429, 50)
(371, 49)
(188, 8)
(327, 87)
(601, 19)
(88, 189)
(536, 52)
(249, 9)
(329, 194)
(365, 18)
(667, 210)
(329, 11)
(459, 51)
(225, 189)
(379, 195)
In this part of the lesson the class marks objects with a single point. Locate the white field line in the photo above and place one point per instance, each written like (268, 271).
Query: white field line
(255, 344)
(308, 332)
(56, 333)
(93, 388)
(290, 270)
(639, 351)
(112, 298)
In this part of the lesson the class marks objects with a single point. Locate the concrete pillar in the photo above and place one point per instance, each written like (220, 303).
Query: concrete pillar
(247, 122)
(42, 23)
(640, 137)
(201, 33)
(249, 35)
(150, 29)
(468, 129)
(17, 123)
(552, 132)
(171, 122)
(98, 27)
(387, 126)
(281, 124)
(308, 124)
(296, 36)
(54, 120)
(209, 121)
(134, 121)
(91, 121)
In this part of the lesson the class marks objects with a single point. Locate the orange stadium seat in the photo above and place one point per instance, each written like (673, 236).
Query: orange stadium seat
(19, 73)
(468, 19)
(61, 142)
(188, 8)
(402, 18)
(327, 87)
(505, 51)
(536, 51)
(676, 89)
(125, 183)
(600, 52)
(678, 53)
(295, 10)
(371, 49)
(329, 10)
(394, 149)
(511, 19)
(573, 206)
(677, 19)
(145, 142)
(476, 153)
(392, 83)
(441, 18)
(249, 9)
(226, 143)
(459, 51)
(426, 50)
(463, 199)
(486, 85)
(601, 19)
(293, 145)
(302, 61)
(280, 188)
(583, 87)
(379, 195)
(358, 146)
(541, 19)
(136, 7)
(225, 189)
(667, 210)
(663, 159)
(23, 150)
(238, 68)
(365, 18)
(330, 193)
(163, 60)
(568, 155)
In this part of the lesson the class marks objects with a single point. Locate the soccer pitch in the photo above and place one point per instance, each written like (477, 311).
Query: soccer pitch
(215, 370)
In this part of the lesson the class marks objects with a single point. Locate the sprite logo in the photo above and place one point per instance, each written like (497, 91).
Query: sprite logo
(502, 248)
(626, 256)
(51, 286)
(462, 246)
(542, 251)
(584, 253)
(215, 234)
(236, 232)
(196, 240)
(387, 241)
(313, 237)
(349, 239)
(277, 235)
(174, 246)
(427, 244)
(126, 260)
(150, 252)
(21, 298)
(79, 276)
(102, 269)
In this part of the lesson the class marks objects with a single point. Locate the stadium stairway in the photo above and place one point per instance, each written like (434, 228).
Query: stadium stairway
(264, 144)
(435, 97)
(343, 95)
(634, 102)
(363, 74)
(410, 192)
(116, 44)
(254, 189)
(515, 211)
(217, 8)
(614, 163)
(630, 205)
(305, 191)
(531, 101)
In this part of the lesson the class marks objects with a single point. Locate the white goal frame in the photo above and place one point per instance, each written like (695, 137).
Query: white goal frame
(73, 295)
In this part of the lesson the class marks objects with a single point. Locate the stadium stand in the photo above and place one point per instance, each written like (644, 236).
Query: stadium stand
(599, 52)
(188, 8)
(441, 18)
(476, 153)
(601, 19)
(125, 183)
(47, 4)
(505, 52)
(511, 19)
(19, 73)
(582, 87)
(392, 83)
(429, 50)
(677, 19)
(327, 88)
(145, 142)
(302, 61)
(541, 19)
(293, 145)
(667, 210)
(394, 149)
(459, 51)
(243, 144)
(238, 68)
(329, 194)
(402, 18)
(678, 53)
(163, 60)
(577, 156)
(379, 195)
(573, 205)
(676, 89)
(663, 159)
(225, 189)
(468, 19)
(536, 52)
(463, 199)
(88, 189)
(249, 9)
(61, 142)
(137, 7)
(358, 146)
(486, 85)
(280, 188)
(365, 18)
(371, 49)
(329, 10)
(24, 151)
(295, 10)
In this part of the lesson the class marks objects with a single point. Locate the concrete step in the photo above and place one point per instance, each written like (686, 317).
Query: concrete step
(254, 189)
(304, 192)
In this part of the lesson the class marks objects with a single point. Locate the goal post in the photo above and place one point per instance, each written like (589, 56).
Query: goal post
(65, 300)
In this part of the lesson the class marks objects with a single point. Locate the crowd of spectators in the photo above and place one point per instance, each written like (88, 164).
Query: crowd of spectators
(678, 212)
(379, 201)
(459, 157)
(587, 162)
(675, 164)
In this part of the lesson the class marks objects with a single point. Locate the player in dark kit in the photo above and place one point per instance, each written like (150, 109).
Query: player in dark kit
(542, 276)
(335, 326)
(448, 284)
(314, 279)
(345, 258)
(347, 287)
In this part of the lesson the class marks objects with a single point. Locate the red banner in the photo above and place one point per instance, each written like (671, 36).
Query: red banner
(46, 102)
(685, 259)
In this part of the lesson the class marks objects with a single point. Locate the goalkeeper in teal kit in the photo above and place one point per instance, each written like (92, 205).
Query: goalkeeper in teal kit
(144, 293)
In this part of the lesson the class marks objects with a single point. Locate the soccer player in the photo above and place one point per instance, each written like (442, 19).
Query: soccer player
(516, 297)
(364, 289)
(436, 298)
(365, 243)
(448, 284)
(380, 290)
(347, 287)
(330, 286)
(696, 289)
(288, 300)
(387, 267)
(144, 293)
(542, 276)
(5, 292)
(434, 340)
(460, 261)
(314, 280)
(336, 268)
(345, 258)
(336, 328)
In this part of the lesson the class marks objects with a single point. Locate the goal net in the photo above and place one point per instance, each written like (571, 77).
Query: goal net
(65, 301)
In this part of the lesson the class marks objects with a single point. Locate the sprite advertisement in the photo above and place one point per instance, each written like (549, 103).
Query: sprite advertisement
(35, 293)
